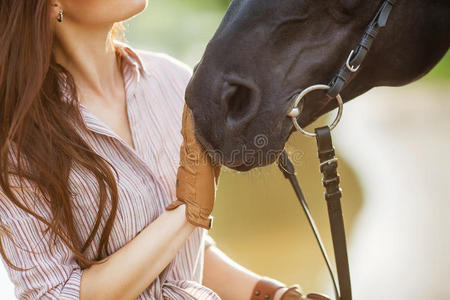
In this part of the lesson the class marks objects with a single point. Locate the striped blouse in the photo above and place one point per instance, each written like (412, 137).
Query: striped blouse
(155, 85)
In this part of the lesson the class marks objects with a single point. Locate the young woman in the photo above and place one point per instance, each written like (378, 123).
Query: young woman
(91, 206)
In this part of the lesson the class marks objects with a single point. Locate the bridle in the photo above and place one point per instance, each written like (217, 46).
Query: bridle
(326, 153)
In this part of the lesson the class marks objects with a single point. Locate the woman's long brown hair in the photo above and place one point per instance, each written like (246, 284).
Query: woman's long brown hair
(36, 121)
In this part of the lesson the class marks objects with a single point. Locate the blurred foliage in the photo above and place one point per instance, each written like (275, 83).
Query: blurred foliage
(180, 28)
(442, 71)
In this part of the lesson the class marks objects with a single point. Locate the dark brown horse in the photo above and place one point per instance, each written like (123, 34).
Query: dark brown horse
(267, 51)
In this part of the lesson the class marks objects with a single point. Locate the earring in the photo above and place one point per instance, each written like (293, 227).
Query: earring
(60, 17)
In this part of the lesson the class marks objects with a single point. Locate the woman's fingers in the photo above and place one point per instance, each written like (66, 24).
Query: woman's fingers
(315, 296)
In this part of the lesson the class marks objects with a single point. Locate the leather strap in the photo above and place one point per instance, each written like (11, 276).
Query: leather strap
(265, 289)
(361, 50)
(328, 167)
(328, 163)
(287, 168)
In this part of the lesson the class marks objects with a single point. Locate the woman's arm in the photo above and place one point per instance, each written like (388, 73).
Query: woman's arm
(129, 271)
(221, 272)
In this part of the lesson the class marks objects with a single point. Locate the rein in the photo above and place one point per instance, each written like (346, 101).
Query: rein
(326, 153)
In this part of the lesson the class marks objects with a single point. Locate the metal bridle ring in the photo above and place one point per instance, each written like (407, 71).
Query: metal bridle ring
(295, 112)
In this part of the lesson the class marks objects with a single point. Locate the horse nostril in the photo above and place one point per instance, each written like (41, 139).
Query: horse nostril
(238, 99)
(240, 102)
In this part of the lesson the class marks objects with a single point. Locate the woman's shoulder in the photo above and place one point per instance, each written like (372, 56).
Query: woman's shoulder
(152, 58)
(158, 63)
(163, 64)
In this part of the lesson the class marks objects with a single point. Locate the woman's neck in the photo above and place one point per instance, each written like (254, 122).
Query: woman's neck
(88, 54)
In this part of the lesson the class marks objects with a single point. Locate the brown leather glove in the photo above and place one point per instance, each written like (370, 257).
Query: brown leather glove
(196, 177)
(294, 293)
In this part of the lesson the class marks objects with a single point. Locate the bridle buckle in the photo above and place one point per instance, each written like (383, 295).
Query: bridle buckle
(347, 63)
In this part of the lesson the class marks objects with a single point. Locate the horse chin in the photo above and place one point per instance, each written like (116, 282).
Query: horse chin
(244, 161)
(241, 168)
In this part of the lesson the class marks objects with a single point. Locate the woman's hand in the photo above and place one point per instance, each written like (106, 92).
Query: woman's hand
(267, 288)
(196, 177)
(294, 293)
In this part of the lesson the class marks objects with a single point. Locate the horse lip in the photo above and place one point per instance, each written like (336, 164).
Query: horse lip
(241, 168)
(213, 154)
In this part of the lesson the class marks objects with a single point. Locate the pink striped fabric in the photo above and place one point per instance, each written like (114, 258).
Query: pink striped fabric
(155, 85)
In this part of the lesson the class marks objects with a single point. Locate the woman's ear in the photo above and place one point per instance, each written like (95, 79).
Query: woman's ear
(55, 10)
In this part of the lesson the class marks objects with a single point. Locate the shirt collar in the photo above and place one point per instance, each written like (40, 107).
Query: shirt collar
(131, 57)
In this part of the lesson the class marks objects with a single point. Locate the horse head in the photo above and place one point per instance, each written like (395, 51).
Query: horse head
(267, 51)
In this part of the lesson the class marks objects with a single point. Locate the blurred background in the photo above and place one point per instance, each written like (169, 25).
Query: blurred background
(392, 144)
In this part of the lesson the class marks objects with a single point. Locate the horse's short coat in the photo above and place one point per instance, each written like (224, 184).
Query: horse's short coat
(266, 51)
